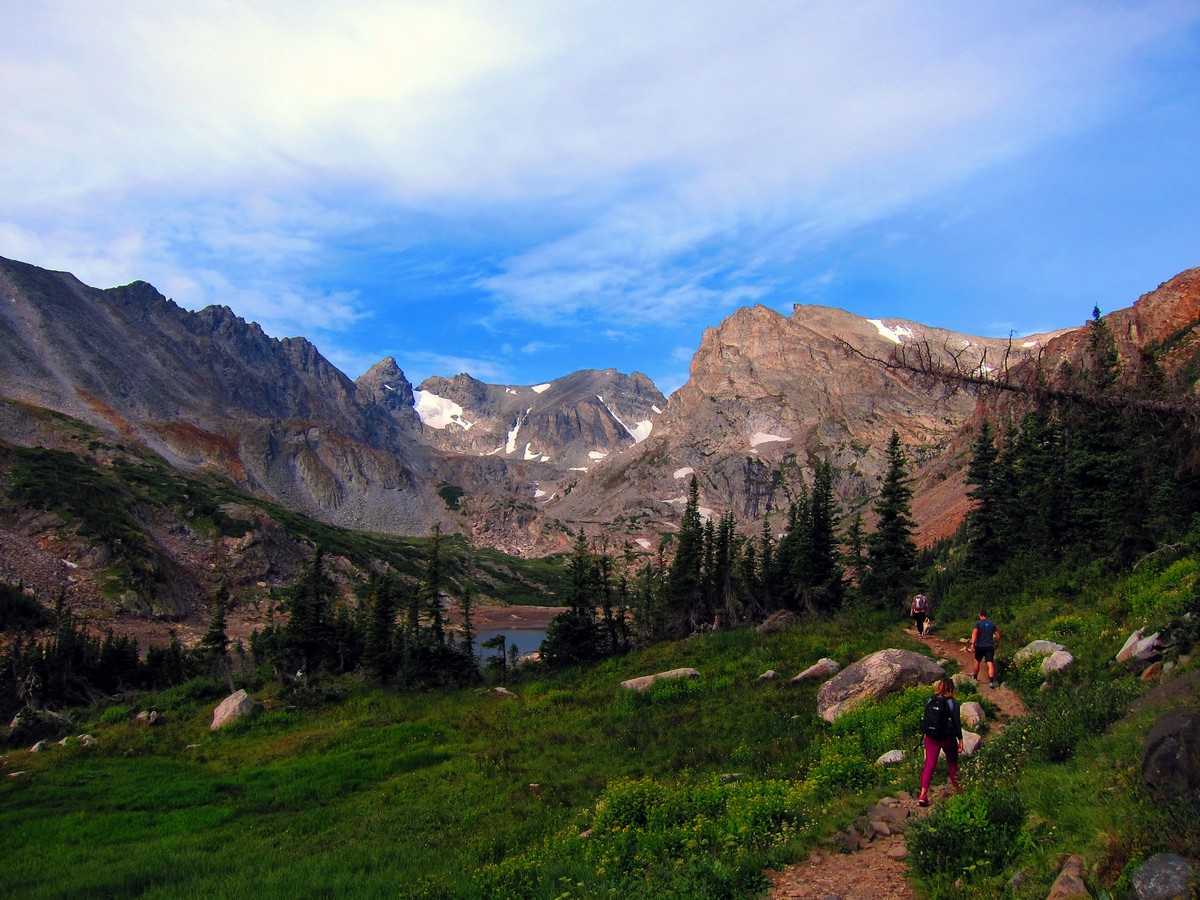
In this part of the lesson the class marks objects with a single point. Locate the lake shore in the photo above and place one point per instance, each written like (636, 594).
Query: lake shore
(497, 618)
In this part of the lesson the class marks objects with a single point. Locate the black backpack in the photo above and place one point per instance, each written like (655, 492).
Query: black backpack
(938, 720)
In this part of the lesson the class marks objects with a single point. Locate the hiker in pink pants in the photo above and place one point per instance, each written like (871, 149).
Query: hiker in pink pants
(942, 727)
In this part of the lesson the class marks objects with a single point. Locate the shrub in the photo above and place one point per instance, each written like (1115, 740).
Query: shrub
(971, 834)
(841, 767)
(647, 837)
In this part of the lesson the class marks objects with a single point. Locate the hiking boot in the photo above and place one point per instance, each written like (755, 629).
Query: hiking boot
(992, 685)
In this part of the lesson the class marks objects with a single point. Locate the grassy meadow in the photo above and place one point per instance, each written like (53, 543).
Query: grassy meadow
(577, 788)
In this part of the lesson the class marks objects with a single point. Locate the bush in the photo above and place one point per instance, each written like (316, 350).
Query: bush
(972, 834)
(841, 767)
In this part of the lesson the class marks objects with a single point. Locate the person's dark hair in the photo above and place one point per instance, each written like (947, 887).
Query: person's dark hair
(983, 614)
(944, 688)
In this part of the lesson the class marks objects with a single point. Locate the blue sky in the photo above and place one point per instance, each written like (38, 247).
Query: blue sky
(521, 189)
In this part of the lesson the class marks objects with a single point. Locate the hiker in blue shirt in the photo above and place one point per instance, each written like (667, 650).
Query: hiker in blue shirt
(942, 728)
(984, 639)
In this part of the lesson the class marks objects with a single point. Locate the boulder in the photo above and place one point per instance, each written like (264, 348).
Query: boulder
(963, 680)
(1153, 671)
(1143, 652)
(769, 675)
(1069, 883)
(1171, 754)
(776, 622)
(502, 693)
(1056, 662)
(971, 742)
(873, 677)
(148, 717)
(1165, 877)
(1130, 642)
(972, 714)
(891, 758)
(1037, 648)
(644, 681)
(236, 706)
(822, 668)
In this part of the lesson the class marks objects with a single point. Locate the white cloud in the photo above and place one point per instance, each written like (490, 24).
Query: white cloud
(669, 151)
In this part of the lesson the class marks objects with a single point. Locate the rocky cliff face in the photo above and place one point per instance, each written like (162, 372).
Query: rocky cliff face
(571, 422)
(209, 390)
(770, 396)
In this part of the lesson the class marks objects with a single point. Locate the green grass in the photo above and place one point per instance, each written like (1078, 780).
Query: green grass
(384, 793)
(690, 789)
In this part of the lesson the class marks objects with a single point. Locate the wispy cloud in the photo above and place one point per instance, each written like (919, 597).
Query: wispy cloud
(603, 164)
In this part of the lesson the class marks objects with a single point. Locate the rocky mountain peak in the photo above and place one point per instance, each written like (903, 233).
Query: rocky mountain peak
(384, 385)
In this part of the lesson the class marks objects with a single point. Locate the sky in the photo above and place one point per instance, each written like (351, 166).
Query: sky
(518, 190)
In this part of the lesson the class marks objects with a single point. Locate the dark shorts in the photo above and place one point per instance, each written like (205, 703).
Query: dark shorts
(985, 654)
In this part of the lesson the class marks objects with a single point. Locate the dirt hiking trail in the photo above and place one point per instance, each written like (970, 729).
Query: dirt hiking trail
(877, 870)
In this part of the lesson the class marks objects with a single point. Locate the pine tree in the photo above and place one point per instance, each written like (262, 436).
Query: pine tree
(891, 550)
(379, 650)
(984, 551)
(684, 579)
(215, 643)
(573, 636)
(308, 633)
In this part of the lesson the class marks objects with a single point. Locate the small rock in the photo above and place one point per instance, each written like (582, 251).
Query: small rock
(502, 693)
(768, 675)
(40, 747)
(970, 742)
(822, 668)
(972, 714)
(1037, 648)
(847, 841)
(1152, 671)
(1069, 884)
(880, 827)
(891, 758)
(644, 681)
(899, 851)
(1056, 662)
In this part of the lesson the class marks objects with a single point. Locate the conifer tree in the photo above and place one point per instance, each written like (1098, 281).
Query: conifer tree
(307, 636)
(379, 650)
(573, 636)
(891, 550)
(215, 643)
(984, 551)
(855, 559)
(684, 579)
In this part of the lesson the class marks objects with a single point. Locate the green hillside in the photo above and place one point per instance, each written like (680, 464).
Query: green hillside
(690, 789)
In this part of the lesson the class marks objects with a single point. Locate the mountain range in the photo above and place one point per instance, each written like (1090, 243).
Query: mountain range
(520, 468)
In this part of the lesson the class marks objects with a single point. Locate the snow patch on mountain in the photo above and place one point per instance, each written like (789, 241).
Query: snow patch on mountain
(540, 388)
(638, 432)
(684, 472)
(895, 335)
(438, 412)
(761, 437)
